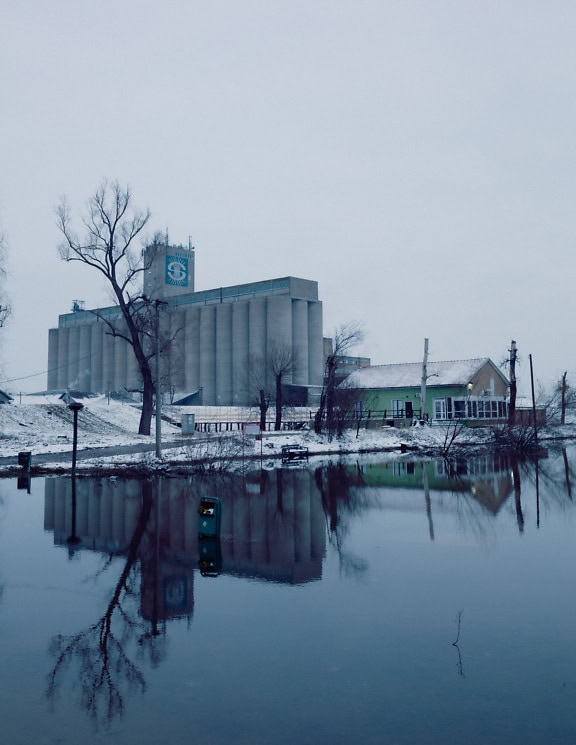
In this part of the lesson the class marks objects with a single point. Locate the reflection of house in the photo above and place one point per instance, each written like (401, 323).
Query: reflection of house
(472, 390)
(487, 478)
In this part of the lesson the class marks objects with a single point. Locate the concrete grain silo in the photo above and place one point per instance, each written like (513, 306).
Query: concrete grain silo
(211, 337)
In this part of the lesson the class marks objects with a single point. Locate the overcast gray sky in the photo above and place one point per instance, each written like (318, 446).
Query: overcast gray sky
(414, 157)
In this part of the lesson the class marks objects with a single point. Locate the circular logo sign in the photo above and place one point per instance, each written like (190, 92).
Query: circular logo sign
(176, 271)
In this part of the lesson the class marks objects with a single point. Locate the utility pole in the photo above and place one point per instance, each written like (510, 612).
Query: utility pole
(512, 406)
(424, 379)
(534, 417)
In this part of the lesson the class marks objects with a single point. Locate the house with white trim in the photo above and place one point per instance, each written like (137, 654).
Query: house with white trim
(475, 391)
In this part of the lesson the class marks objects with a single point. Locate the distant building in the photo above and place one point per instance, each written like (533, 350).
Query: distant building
(218, 335)
(473, 390)
(346, 364)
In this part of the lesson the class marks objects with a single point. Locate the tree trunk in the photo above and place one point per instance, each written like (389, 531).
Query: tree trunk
(330, 388)
(279, 402)
(263, 406)
(147, 406)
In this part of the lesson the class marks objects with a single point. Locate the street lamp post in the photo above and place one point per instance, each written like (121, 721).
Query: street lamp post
(75, 406)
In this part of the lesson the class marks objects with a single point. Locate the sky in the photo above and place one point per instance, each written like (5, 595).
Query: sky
(414, 157)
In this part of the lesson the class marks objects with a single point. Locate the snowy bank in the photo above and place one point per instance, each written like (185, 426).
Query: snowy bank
(43, 425)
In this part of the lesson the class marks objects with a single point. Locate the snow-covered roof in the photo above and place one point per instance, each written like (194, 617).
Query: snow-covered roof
(409, 374)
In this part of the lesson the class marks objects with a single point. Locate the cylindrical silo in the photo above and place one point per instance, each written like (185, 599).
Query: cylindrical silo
(63, 336)
(257, 328)
(96, 347)
(73, 357)
(240, 381)
(192, 350)
(224, 354)
(208, 354)
(279, 323)
(120, 361)
(300, 342)
(52, 382)
(85, 357)
(315, 344)
(108, 363)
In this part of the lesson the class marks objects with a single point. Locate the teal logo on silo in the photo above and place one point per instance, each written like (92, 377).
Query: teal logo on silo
(176, 271)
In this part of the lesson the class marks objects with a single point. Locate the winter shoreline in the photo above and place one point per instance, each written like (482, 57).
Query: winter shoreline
(108, 443)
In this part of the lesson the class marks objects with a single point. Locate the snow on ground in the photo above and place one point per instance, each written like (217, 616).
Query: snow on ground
(43, 424)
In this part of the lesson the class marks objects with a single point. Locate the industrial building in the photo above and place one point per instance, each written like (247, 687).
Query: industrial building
(217, 337)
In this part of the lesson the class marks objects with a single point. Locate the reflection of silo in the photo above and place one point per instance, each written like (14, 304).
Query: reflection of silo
(300, 341)
(302, 519)
(240, 383)
(241, 513)
(119, 531)
(224, 354)
(63, 336)
(259, 529)
(191, 350)
(281, 524)
(317, 521)
(53, 358)
(208, 354)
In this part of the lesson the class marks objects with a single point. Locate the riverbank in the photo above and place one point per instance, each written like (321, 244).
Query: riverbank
(108, 441)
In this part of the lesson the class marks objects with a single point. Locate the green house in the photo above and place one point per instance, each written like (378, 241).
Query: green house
(472, 390)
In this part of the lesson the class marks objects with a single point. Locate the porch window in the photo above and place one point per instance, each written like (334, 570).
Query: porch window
(397, 409)
(459, 408)
(439, 408)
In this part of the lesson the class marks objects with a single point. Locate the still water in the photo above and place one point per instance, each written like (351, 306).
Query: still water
(365, 602)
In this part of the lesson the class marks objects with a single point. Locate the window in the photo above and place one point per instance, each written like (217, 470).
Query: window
(459, 408)
(397, 409)
(439, 408)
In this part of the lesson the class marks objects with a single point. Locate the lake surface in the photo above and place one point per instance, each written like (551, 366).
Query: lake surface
(372, 601)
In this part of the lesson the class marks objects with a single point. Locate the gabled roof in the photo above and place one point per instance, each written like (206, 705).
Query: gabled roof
(409, 374)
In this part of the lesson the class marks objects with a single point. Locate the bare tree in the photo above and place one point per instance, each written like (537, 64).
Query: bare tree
(557, 401)
(345, 337)
(5, 308)
(111, 225)
(267, 377)
(282, 361)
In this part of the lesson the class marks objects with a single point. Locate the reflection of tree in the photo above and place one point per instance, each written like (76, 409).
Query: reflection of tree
(471, 511)
(106, 673)
(455, 643)
(567, 473)
(333, 483)
(517, 495)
